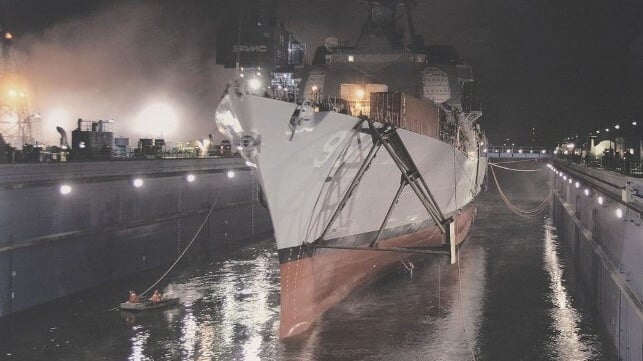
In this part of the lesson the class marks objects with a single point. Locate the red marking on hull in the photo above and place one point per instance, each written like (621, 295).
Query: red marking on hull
(312, 285)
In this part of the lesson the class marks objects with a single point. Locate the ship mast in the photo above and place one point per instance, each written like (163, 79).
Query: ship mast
(381, 22)
(416, 42)
(239, 38)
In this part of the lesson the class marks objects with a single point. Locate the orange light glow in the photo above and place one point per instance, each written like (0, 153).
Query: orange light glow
(13, 88)
(8, 36)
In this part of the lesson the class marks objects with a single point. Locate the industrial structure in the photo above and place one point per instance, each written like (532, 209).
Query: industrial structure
(18, 125)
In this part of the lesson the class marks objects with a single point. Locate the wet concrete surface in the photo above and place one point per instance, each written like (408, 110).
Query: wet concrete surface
(509, 299)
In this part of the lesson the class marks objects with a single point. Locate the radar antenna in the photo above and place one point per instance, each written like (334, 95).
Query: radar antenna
(382, 22)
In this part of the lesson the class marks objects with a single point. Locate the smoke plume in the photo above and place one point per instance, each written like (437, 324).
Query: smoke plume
(148, 66)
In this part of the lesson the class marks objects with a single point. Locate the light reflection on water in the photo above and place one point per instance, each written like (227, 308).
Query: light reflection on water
(190, 333)
(451, 322)
(232, 313)
(566, 343)
(139, 341)
(229, 312)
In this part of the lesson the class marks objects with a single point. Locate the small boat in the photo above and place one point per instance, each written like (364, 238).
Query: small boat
(147, 305)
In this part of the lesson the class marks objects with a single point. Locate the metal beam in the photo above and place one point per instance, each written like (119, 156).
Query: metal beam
(411, 174)
(426, 251)
(358, 177)
(388, 213)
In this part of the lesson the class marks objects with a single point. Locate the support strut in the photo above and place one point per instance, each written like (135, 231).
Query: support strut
(358, 177)
(401, 157)
(403, 184)
(427, 250)
(412, 177)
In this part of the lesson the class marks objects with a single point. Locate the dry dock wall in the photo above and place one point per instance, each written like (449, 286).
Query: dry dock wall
(52, 245)
(605, 249)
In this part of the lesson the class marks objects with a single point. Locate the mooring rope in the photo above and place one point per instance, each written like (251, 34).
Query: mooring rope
(516, 161)
(525, 213)
(514, 169)
(198, 231)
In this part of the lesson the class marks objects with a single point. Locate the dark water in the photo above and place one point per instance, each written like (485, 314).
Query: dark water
(508, 300)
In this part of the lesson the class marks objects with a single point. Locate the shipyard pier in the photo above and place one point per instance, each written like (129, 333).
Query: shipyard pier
(597, 213)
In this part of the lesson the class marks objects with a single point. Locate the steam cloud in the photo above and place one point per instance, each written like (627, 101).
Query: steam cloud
(116, 62)
(127, 57)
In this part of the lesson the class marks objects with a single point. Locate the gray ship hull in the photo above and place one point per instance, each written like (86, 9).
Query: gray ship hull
(53, 244)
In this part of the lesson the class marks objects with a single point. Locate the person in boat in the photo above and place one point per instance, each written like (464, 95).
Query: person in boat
(133, 297)
(156, 297)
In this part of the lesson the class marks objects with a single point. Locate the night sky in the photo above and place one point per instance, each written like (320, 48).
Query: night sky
(562, 67)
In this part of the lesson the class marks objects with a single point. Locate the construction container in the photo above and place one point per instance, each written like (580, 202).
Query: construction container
(407, 112)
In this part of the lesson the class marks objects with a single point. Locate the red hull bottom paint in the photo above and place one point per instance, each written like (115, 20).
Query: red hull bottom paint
(312, 285)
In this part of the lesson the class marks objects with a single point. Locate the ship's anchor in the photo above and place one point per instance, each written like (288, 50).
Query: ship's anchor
(410, 176)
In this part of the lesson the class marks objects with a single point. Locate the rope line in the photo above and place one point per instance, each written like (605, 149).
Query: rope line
(515, 161)
(182, 253)
(516, 170)
(186, 248)
(525, 213)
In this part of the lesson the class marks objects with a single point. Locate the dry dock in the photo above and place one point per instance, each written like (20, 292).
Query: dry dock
(598, 216)
(68, 227)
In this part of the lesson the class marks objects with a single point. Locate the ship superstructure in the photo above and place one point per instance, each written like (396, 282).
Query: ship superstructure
(375, 159)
